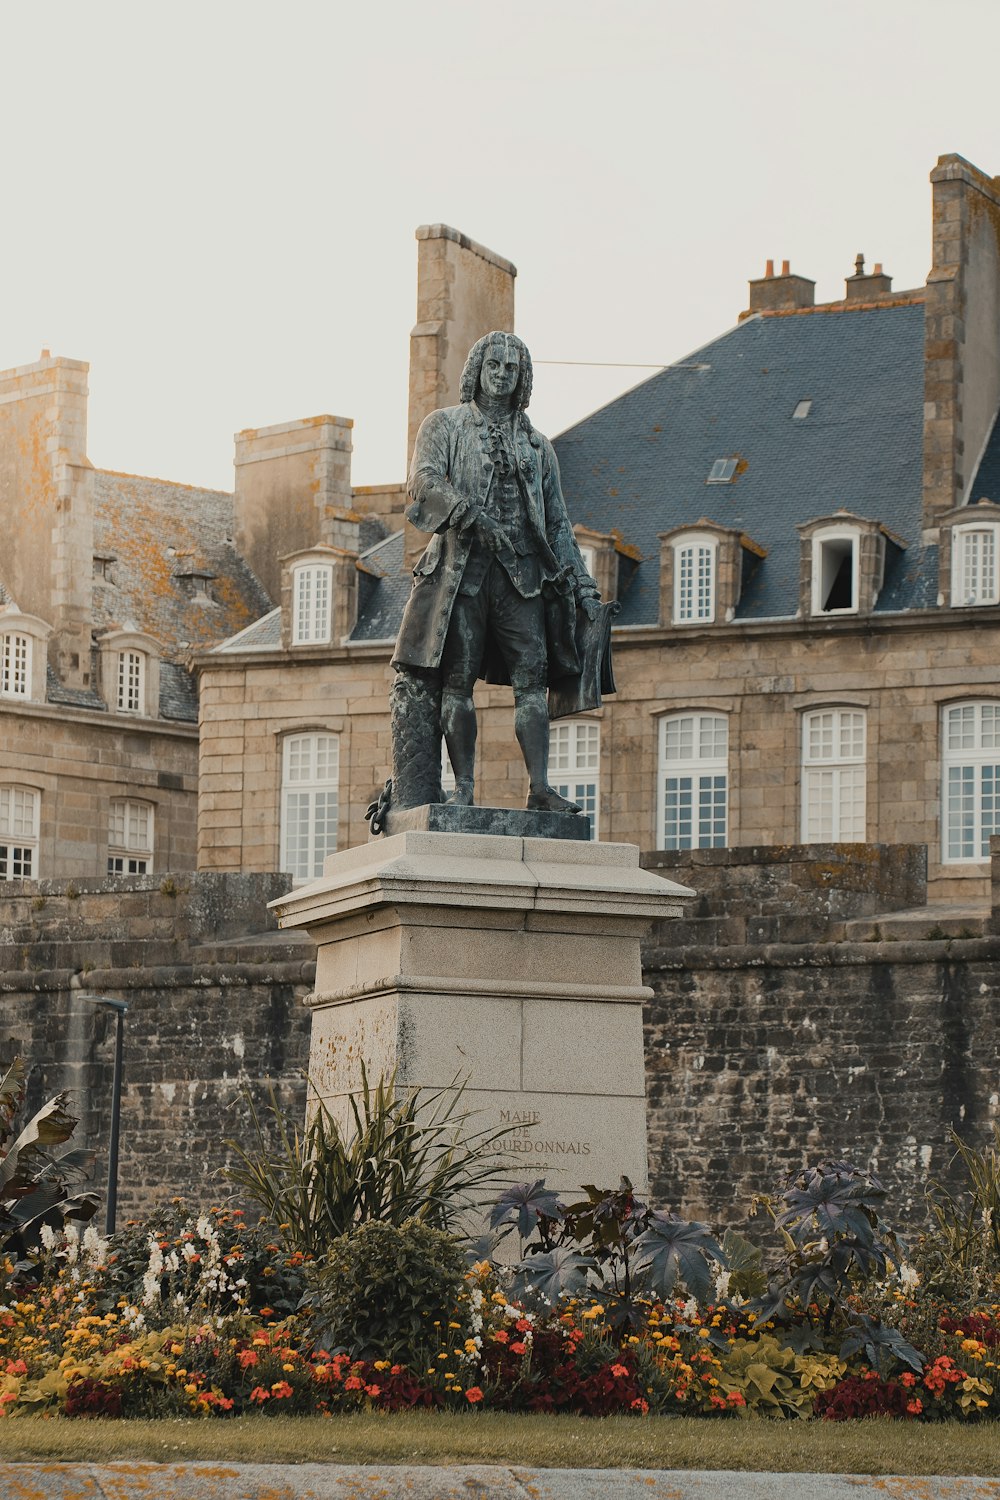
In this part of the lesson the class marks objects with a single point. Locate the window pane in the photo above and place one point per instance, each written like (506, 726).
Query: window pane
(695, 564)
(833, 798)
(574, 765)
(310, 803)
(694, 783)
(15, 666)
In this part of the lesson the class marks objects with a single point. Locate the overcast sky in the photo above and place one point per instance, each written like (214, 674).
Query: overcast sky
(214, 202)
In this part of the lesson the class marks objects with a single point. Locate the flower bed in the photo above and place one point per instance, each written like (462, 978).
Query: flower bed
(64, 1350)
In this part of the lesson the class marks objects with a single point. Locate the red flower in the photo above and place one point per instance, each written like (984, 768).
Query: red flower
(518, 1348)
(260, 1394)
(473, 1394)
(247, 1357)
(618, 1371)
(281, 1388)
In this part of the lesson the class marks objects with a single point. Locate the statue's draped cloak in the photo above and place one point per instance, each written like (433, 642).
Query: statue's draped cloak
(451, 469)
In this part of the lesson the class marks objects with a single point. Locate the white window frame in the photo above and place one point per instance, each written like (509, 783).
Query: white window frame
(834, 792)
(130, 681)
(312, 604)
(131, 836)
(821, 541)
(693, 787)
(20, 822)
(310, 802)
(575, 765)
(970, 780)
(696, 570)
(975, 580)
(723, 471)
(15, 664)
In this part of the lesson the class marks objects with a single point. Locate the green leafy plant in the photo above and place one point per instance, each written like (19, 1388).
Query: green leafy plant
(409, 1155)
(610, 1241)
(34, 1180)
(963, 1245)
(386, 1290)
(833, 1245)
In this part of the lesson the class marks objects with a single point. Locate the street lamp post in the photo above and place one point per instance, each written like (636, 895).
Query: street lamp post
(121, 1010)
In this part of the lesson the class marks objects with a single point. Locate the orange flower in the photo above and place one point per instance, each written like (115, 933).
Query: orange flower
(281, 1388)
(501, 1336)
(246, 1358)
(373, 1391)
(260, 1394)
(641, 1405)
(518, 1348)
(473, 1394)
(618, 1371)
(915, 1407)
(352, 1383)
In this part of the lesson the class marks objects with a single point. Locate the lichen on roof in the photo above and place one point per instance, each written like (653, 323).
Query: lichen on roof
(160, 534)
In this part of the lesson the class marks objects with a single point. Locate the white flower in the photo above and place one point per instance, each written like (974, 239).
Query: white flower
(722, 1284)
(48, 1237)
(909, 1277)
(690, 1308)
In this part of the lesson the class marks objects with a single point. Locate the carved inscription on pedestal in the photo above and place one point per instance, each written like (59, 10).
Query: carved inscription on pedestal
(527, 1134)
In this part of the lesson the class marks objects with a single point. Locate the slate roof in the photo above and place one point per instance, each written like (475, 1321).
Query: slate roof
(262, 635)
(382, 597)
(638, 466)
(157, 532)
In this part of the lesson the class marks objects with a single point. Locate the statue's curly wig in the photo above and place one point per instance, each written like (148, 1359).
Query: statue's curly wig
(474, 364)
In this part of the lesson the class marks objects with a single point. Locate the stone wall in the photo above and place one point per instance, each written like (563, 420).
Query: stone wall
(78, 760)
(788, 893)
(215, 1018)
(761, 1058)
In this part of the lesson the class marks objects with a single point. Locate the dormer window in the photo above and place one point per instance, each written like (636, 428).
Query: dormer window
(974, 557)
(131, 682)
(312, 600)
(15, 665)
(835, 572)
(694, 579)
(722, 471)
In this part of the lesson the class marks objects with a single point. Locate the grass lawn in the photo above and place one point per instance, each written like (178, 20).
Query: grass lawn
(871, 1447)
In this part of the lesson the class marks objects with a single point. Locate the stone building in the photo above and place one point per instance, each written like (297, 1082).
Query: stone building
(800, 523)
(108, 582)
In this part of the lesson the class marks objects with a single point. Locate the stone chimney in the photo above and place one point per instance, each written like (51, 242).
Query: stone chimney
(463, 291)
(782, 293)
(865, 286)
(47, 505)
(961, 350)
(293, 490)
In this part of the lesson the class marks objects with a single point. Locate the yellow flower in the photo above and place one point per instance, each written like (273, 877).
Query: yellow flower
(454, 1325)
(290, 1368)
(190, 1389)
(380, 1364)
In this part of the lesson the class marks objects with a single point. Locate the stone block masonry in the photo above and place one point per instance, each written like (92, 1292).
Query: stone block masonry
(759, 1055)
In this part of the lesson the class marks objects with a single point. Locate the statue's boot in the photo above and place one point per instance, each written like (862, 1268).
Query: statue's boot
(547, 799)
(462, 794)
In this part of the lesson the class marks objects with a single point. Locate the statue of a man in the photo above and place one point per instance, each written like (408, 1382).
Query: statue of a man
(496, 591)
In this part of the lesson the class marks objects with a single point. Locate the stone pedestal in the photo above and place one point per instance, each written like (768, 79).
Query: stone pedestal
(512, 962)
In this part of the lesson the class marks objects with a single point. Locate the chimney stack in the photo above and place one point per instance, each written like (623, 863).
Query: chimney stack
(784, 293)
(865, 286)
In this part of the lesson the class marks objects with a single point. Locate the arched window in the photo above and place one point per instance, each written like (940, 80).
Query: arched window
(833, 776)
(15, 665)
(970, 795)
(312, 598)
(130, 837)
(310, 774)
(575, 764)
(694, 781)
(131, 686)
(694, 579)
(20, 809)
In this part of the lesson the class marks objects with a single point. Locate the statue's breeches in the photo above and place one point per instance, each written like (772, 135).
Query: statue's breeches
(495, 621)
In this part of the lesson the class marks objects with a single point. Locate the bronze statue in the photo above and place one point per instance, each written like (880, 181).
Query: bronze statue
(500, 589)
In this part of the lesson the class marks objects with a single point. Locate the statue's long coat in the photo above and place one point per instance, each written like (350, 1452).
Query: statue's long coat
(451, 466)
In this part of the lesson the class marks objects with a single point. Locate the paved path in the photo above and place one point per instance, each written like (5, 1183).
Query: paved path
(224, 1481)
